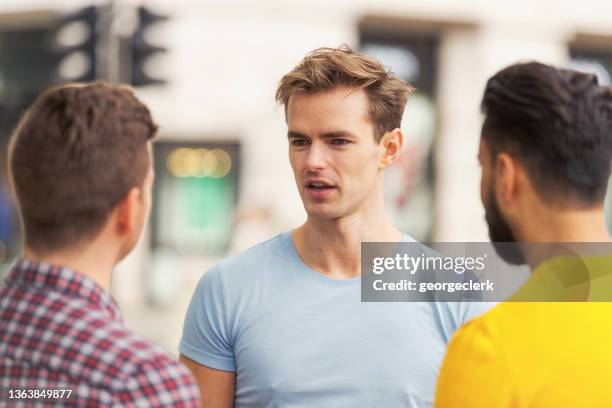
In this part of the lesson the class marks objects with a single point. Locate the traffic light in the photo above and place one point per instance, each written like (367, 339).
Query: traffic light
(142, 49)
(74, 42)
(26, 62)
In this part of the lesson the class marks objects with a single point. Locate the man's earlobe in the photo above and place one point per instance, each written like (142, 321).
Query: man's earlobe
(125, 210)
(122, 216)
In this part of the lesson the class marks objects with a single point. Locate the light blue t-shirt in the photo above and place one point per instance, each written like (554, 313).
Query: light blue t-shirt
(296, 338)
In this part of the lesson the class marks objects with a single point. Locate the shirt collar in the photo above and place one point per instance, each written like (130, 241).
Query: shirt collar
(44, 275)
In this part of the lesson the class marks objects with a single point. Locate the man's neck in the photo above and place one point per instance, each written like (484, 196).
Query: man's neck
(85, 261)
(563, 227)
(333, 247)
(566, 226)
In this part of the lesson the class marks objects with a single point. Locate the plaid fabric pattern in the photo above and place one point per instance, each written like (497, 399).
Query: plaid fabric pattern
(60, 330)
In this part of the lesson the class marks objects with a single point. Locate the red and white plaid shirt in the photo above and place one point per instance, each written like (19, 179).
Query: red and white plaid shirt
(59, 330)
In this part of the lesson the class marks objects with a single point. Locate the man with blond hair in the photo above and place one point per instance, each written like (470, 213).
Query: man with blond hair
(282, 324)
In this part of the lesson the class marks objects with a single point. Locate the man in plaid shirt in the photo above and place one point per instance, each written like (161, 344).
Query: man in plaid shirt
(81, 169)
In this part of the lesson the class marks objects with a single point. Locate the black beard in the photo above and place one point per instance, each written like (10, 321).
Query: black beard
(500, 233)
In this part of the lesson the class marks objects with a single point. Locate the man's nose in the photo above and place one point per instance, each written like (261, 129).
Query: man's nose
(317, 156)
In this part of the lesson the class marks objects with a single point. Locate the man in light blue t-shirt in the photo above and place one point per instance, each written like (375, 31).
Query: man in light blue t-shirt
(283, 325)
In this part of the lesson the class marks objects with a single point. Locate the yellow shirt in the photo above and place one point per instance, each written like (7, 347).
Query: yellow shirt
(535, 354)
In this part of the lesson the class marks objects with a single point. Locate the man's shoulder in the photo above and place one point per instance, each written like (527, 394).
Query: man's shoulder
(137, 370)
(476, 370)
(476, 343)
(116, 350)
(263, 258)
(495, 328)
(265, 269)
(132, 351)
(75, 338)
(509, 319)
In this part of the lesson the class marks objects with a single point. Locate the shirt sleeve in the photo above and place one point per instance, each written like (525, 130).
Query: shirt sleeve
(475, 372)
(158, 384)
(206, 332)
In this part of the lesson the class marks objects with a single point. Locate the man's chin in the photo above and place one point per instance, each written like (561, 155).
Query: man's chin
(322, 212)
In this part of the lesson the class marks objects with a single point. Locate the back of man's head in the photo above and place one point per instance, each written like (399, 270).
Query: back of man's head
(74, 155)
(558, 124)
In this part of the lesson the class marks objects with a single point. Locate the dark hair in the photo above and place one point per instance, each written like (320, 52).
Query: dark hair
(326, 68)
(558, 123)
(75, 154)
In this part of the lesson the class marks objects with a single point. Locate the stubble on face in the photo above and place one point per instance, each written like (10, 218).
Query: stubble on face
(500, 231)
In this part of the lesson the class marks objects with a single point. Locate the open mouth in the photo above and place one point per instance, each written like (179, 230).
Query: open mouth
(319, 186)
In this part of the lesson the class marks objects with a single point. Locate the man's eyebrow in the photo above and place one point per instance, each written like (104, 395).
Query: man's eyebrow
(326, 135)
(295, 134)
(337, 133)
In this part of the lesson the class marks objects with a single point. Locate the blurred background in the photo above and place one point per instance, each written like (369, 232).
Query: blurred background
(209, 70)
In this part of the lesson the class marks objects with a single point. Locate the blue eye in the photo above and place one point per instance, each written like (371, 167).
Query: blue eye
(340, 141)
(299, 142)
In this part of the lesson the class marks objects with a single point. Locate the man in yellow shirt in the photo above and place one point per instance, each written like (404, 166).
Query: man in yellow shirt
(545, 152)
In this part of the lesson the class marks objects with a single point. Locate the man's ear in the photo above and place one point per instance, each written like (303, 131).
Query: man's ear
(506, 172)
(126, 211)
(390, 147)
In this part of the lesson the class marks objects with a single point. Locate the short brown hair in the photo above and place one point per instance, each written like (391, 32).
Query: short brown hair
(74, 155)
(326, 68)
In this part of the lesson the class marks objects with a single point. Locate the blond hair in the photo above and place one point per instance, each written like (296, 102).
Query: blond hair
(325, 68)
